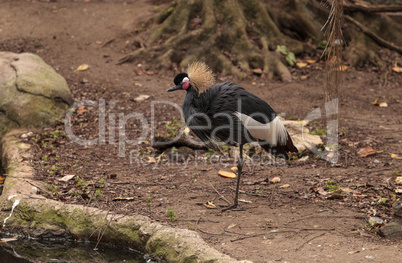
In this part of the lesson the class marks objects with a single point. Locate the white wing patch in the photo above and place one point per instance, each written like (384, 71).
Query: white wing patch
(273, 132)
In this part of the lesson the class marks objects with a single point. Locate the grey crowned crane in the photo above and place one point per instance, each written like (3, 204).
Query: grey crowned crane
(227, 113)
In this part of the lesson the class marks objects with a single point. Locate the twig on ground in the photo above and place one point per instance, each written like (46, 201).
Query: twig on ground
(282, 231)
(205, 232)
(302, 245)
(309, 217)
(219, 193)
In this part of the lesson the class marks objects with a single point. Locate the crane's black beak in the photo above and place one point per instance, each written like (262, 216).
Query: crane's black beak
(177, 87)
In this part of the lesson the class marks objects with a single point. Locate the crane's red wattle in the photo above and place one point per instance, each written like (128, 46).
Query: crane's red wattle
(185, 85)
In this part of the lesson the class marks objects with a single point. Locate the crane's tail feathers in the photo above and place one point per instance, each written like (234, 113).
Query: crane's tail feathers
(277, 134)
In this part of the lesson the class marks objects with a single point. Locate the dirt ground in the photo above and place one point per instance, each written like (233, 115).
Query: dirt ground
(298, 219)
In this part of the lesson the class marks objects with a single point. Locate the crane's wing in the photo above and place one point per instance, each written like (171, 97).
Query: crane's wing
(256, 116)
(199, 124)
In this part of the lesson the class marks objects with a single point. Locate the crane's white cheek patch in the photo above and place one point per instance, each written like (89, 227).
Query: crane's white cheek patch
(273, 132)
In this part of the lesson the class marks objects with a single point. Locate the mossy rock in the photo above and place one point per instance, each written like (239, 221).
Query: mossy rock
(32, 93)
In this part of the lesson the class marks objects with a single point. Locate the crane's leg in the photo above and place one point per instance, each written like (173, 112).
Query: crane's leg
(239, 169)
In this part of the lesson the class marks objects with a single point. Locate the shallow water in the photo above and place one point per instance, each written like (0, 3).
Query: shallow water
(52, 251)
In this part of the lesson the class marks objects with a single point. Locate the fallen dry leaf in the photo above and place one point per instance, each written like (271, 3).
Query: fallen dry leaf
(366, 150)
(227, 174)
(67, 178)
(275, 180)
(82, 67)
(303, 77)
(398, 191)
(353, 252)
(394, 156)
(210, 205)
(301, 64)
(234, 169)
(396, 68)
(342, 68)
(81, 110)
(284, 186)
(383, 105)
(376, 103)
(398, 180)
(231, 226)
(187, 130)
(311, 61)
(257, 71)
(319, 190)
(150, 159)
(141, 98)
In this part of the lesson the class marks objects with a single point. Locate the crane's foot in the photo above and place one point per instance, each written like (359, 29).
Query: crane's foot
(232, 207)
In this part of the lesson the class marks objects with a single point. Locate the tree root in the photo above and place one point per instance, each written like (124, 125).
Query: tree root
(362, 46)
(375, 37)
(225, 34)
(372, 8)
(237, 36)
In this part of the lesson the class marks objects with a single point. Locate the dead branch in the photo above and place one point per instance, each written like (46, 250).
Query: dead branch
(372, 8)
(374, 36)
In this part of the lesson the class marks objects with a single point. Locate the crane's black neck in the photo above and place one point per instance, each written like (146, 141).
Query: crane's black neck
(192, 93)
(189, 101)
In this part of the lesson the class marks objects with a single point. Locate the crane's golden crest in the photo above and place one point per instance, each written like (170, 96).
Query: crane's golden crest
(201, 76)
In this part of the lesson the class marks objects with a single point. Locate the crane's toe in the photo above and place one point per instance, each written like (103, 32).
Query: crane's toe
(234, 206)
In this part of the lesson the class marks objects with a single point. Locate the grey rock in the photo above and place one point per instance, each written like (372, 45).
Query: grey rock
(32, 94)
(394, 229)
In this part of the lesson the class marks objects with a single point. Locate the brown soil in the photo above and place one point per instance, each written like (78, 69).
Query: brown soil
(298, 223)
